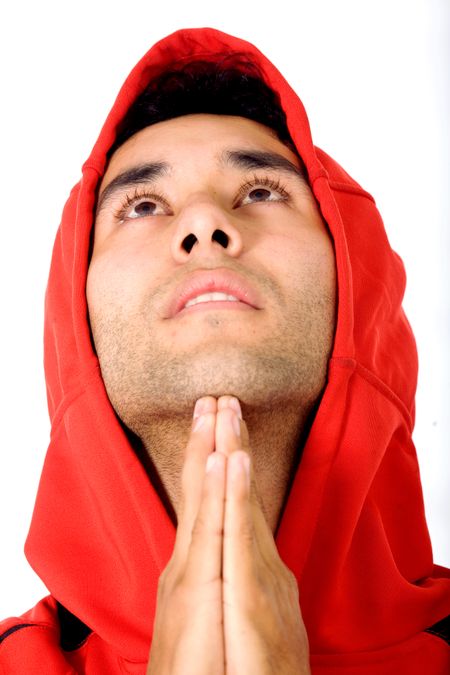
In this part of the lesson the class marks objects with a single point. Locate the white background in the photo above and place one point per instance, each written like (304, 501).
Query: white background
(374, 78)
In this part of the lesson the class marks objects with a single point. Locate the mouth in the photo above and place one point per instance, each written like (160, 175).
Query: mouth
(210, 297)
(216, 289)
(214, 301)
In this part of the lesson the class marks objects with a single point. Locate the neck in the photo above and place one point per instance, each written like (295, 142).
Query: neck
(276, 439)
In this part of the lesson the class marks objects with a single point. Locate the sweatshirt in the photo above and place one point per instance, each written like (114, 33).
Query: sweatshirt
(353, 528)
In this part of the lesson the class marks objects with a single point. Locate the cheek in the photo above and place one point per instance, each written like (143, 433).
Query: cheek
(305, 253)
(117, 278)
(323, 259)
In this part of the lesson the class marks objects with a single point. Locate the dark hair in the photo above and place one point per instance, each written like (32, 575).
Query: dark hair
(234, 85)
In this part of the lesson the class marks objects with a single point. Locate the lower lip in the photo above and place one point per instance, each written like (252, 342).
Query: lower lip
(215, 305)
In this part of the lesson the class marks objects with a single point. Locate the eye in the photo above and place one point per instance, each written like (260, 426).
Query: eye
(259, 195)
(262, 190)
(142, 209)
(142, 205)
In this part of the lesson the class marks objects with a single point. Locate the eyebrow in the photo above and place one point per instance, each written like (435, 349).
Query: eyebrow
(239, 159)
(142, 173)
(260, 159)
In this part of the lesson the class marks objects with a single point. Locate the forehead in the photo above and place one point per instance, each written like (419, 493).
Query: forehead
(199, 138)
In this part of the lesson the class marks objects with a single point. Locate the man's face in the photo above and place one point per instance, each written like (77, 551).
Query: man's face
(208, 222)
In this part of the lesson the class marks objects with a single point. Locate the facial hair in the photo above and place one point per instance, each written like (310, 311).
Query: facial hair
(147, 377)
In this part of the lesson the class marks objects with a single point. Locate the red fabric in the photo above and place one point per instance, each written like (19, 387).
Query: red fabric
(353, 530)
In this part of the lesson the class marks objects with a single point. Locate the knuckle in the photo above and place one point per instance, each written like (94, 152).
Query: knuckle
(199, 527)
(174, 591)
(291, 579)
(167, 578)
(202, 528)
(246, 535)
(257, 602)
(244, 531)
(163, 577)
(163, 585)
(181, 594)
(293, 583)
(284, 577)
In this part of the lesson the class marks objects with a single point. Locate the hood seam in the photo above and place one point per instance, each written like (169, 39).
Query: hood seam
(350, 188)
(69, 398)
(376, 382)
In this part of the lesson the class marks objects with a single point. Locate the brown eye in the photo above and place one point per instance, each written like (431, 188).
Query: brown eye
(143, 209)
(259, 195)
(261, 190)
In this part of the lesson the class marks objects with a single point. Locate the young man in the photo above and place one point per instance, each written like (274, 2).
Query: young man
(231, 481)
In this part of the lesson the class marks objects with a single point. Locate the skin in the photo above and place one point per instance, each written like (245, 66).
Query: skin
(226, 601)
(225, 581)
(273, 360)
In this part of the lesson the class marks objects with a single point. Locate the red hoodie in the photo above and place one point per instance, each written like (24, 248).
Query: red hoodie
(353, 530)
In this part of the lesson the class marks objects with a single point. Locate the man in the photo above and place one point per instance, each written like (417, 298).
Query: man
(231, 480)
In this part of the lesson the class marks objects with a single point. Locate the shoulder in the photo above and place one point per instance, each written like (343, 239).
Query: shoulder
(427, 652)
(33, 639)
(50, 639)
(42, 616)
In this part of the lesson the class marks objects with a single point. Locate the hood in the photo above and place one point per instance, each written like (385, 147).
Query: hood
(353, 529)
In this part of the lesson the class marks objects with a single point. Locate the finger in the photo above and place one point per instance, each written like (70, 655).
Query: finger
(232, 434)
(248, 539)
(229, 402)
(239, 531)
(203, 405)
(204, 559)
(199, 446)
(228, 431)
(262, 531)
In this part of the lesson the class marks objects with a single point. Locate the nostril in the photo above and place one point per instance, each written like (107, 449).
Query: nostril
(188, 242)
(221, 238)
(218, 236)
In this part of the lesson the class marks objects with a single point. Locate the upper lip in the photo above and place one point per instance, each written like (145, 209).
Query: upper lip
(209, 281)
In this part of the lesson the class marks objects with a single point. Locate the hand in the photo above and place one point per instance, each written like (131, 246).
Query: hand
(263, 628)
(225, 596)
(188, 629)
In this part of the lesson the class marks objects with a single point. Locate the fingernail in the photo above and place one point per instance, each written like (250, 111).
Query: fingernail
(234, 403)
(236, 425)
(198, 422)
(211, 461)
(198, 408)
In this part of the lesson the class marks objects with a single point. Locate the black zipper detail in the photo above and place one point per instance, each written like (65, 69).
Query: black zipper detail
(13, 629)
(441, 629)
(73, 632)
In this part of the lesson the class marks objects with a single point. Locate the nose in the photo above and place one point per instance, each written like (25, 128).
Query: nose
(205, 229)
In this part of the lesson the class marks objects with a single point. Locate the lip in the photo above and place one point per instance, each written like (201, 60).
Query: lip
(209, 281)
